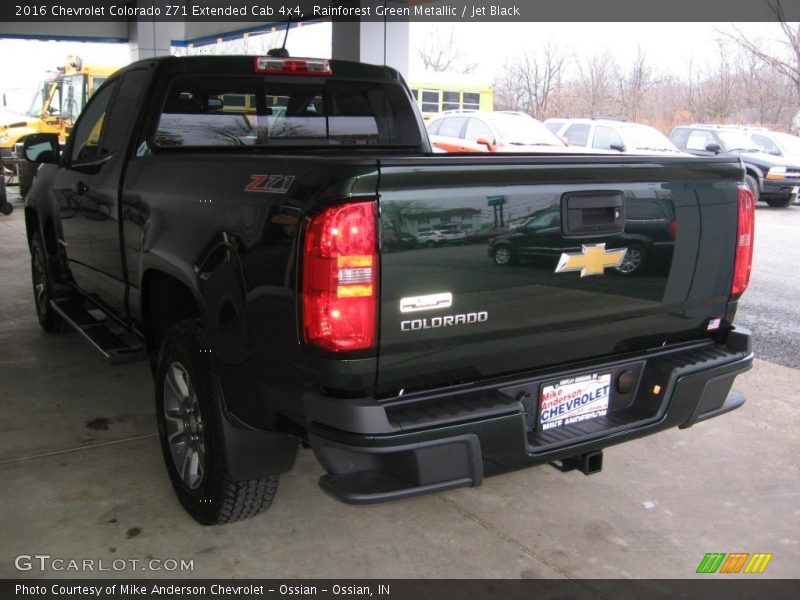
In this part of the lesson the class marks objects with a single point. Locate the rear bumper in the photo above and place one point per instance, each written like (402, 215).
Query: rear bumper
(376, 451)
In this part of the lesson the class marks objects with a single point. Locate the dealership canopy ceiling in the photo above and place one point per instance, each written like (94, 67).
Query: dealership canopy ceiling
(374, 41)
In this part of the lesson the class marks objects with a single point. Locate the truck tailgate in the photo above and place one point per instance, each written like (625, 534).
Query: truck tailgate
(497, 265)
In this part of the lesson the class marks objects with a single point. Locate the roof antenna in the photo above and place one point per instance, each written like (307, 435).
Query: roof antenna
(282, 52)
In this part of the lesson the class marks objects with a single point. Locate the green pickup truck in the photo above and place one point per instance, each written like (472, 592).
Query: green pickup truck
(225, 218)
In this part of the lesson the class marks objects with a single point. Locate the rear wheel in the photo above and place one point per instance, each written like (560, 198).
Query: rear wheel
(503, 256)
(49, 319)
(188, 408)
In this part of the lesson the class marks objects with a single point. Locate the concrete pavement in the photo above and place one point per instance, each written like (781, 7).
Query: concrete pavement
(82, 478)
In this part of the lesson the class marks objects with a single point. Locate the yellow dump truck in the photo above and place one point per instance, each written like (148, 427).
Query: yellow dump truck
(57, 102)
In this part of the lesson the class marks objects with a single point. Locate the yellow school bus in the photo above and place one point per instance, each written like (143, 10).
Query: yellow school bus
(438, 92)
(57, 102)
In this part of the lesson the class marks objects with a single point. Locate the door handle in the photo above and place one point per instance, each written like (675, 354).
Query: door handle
(81, 188)
(592, 213)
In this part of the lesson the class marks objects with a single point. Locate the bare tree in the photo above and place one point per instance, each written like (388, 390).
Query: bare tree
(633, 85)
(766, 94)
(595, 85)
(716, 94)
(785, 60)
(529, 82)
(440, 53)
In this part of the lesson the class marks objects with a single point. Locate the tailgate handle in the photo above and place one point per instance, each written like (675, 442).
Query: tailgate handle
(592, 213)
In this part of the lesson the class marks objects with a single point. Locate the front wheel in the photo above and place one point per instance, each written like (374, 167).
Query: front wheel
(503, 256)
(634, 261)
(188, 409)
(49, 319)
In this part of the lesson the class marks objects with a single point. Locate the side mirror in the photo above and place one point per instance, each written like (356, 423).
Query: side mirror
(41, 148)
(618, 147)
(484, 141)
(713, 148)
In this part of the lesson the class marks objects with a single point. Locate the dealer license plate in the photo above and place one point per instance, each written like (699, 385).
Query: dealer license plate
(574, 400)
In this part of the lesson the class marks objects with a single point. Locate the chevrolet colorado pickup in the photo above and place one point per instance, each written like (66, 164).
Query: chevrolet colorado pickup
(225, 217)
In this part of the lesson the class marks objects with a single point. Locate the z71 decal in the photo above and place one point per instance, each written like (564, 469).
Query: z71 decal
(269, 184)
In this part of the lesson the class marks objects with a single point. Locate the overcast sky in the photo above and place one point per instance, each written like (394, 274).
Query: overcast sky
(668, 46)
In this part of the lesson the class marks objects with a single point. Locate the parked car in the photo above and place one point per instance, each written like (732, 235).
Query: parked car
(610, 134)
(440, 237)
(393, 241)
(241, 258)
(776, 143)
(500, 131)
(647, 235)
(772, 179)
(442, 143)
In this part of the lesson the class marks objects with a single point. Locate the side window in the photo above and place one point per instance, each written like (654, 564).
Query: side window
(605, 137)
(435, 126)
(472, 100)
(451, 100)
(577, 135)
(545, 221)
(430, 100)
(119, 123)
(699, 139)
(97, 81)
(765, 144)
(477, 128)
(452, 127)
(87, 135)
(678, 136)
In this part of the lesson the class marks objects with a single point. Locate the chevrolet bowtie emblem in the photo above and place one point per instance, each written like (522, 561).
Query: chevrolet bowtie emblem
(593, 259)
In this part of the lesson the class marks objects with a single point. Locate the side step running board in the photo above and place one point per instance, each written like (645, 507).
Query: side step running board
(111, 344)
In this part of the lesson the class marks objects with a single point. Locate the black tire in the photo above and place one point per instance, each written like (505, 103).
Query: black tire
(49, 319)
(635, 261)
(780, 202)
(207, 493)
(752, 185)
(503, 256)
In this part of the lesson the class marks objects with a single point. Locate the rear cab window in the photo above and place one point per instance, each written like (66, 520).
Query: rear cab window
(224, 111)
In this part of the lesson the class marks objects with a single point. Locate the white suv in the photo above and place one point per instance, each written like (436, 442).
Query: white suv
(438, 237)
(608, 134)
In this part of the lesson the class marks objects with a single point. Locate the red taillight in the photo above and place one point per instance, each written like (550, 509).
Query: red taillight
(340, 278)
(673, 230)
(292, 66)
(744, 243)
